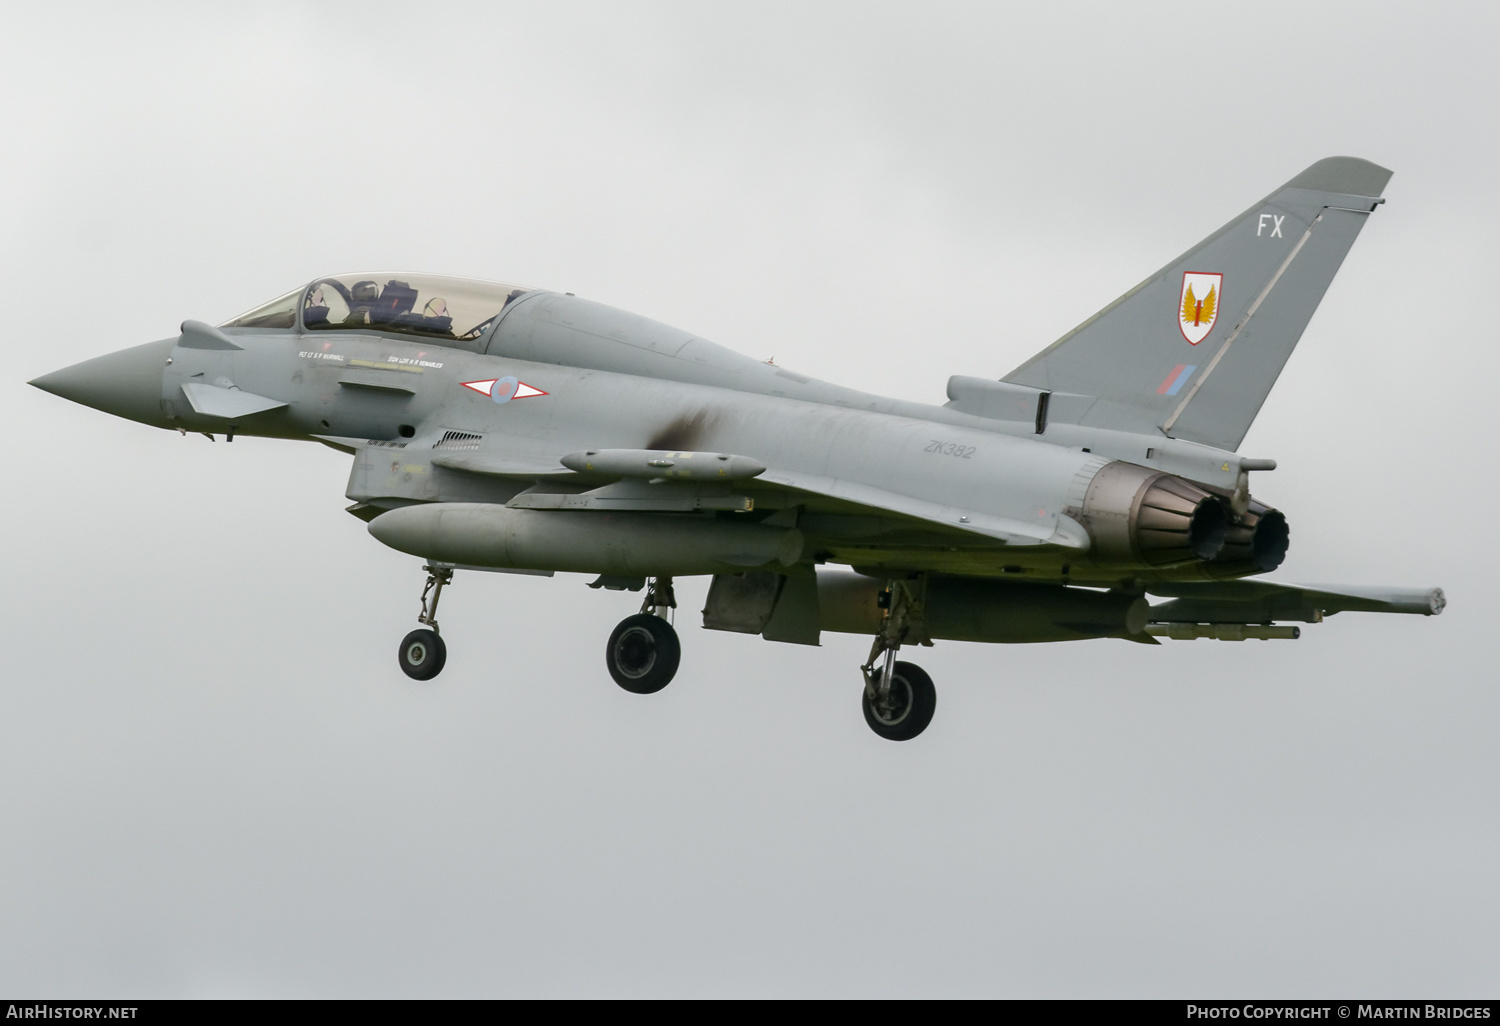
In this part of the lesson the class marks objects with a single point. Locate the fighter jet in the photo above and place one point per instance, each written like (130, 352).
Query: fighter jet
(506, 428)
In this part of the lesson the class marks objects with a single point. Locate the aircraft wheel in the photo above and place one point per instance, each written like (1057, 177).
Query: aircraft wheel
(422, 655)
(643, 653)
(909, 706)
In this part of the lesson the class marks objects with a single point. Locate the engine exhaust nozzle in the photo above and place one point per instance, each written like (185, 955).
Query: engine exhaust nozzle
(1136, 516)
(1257, 542)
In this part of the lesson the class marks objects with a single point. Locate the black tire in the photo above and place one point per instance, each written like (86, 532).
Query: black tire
(913, 700)
(643, 653)
(422, 655)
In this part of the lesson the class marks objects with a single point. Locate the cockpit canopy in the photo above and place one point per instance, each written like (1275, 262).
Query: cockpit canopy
(459, 310)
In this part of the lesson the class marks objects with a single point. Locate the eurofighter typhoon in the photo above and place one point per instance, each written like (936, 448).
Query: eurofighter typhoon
(500, 427)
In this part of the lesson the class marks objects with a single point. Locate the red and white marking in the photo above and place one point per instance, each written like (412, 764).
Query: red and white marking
(486, 386)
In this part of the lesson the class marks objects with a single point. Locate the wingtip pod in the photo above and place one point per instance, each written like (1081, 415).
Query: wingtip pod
(1251, 601)
(1352, 176)
(1370, 599)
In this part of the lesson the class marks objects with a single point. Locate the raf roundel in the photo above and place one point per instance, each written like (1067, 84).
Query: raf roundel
(503, 390)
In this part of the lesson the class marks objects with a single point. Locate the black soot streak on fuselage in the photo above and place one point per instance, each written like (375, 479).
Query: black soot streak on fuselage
(685, 433)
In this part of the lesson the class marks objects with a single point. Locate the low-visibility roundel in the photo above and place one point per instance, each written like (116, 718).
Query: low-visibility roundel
(503, 390)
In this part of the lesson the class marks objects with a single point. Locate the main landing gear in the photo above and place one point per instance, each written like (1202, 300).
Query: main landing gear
(643, 651)
(899, 698)
(422, 652)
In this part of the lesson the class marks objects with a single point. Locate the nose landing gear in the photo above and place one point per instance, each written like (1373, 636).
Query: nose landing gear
(423, 654)
(643, 651)
(899, 698)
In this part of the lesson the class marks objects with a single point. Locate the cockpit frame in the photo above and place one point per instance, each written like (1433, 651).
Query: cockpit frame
(361, 303)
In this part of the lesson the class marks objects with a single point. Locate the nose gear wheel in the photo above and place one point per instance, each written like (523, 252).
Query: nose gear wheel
(423, 654)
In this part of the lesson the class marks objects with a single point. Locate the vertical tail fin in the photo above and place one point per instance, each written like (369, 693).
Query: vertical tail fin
(1193, 350)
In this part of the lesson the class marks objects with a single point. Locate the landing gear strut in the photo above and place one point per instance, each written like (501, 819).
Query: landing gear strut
(423, 653)
(899, 698)
(643, 652)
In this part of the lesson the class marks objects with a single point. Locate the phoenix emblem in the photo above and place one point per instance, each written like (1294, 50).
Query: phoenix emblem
(1199, 307)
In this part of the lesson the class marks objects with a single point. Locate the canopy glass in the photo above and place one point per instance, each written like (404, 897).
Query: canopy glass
(459, 310)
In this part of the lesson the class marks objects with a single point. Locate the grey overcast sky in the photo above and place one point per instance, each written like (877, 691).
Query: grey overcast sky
(214, 781)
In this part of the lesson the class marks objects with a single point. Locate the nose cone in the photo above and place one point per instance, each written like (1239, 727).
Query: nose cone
(127, 383)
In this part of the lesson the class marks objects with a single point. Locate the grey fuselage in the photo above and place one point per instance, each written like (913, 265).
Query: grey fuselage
(877, 483)
(494, 426)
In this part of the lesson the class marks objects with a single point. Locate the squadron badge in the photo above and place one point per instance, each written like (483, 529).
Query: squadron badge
(1199, 307)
